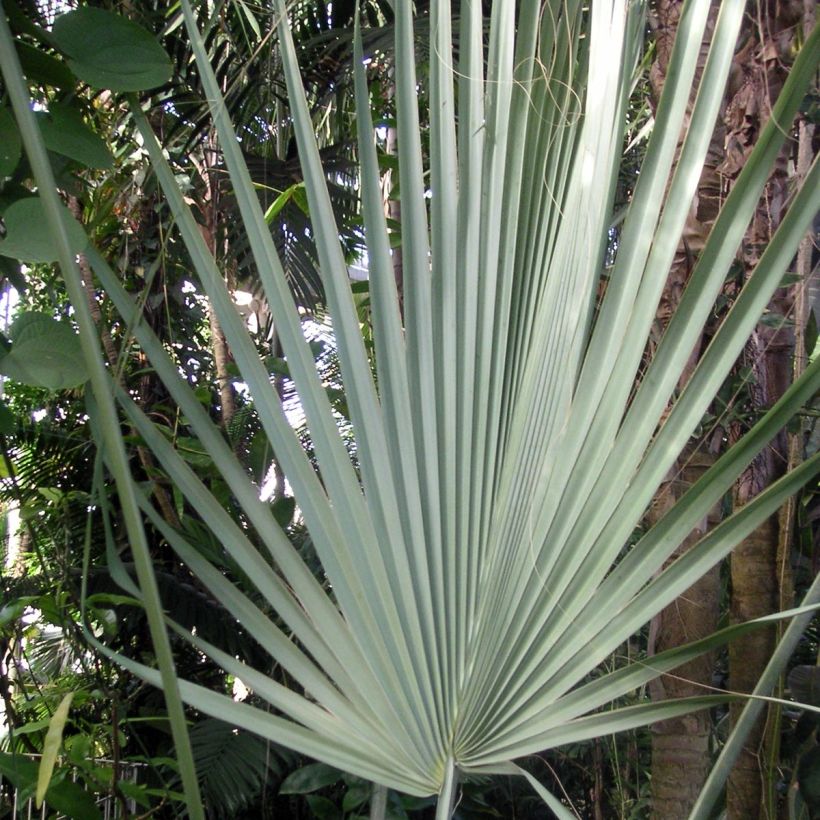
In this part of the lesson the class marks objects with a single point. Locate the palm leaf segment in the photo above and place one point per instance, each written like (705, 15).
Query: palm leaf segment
(473, 556)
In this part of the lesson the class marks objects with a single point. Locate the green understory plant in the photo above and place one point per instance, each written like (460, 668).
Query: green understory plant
(473, 573)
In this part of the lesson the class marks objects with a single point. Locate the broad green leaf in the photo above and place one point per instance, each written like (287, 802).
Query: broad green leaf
(324, 809)
(65, 797)
(29, 325)
(12, 192)
(45, 353)
(64, 132)
(355, 796)
(107, 50)
(32, 727)
(310, 778)
(43, 68)
(28, 236)
(51, 747)
(139, 793)
(10, 143)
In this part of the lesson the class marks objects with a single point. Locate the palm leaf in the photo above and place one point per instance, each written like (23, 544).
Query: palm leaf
(472, 549)
(233, 766)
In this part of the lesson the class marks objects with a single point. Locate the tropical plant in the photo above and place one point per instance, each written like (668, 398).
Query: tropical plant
(474, 570)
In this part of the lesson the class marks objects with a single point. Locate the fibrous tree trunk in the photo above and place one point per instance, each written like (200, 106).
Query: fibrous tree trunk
(758, 72)
(760, 582)
(681, 747)
(681, 756)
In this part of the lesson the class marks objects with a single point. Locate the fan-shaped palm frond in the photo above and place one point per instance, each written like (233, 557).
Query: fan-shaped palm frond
(474, 551)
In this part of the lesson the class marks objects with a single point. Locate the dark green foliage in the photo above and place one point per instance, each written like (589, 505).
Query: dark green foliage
(106, 50)
(64, 796)
(233, 766)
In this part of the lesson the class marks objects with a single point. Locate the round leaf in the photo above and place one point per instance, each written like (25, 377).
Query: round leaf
(30, 325)
(45, 353)
(106, 50)
(10, 143)
(28, 236)
(65, 133)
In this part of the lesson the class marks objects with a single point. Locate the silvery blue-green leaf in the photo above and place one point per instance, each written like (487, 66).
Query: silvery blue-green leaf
(475, 545)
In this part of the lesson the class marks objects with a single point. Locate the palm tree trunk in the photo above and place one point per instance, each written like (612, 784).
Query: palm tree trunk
(680, 751)
(759, 584)
(681, 747)
(756, 589)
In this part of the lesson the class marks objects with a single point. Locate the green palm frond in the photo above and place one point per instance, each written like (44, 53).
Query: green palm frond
(233, 766)
(473, 546)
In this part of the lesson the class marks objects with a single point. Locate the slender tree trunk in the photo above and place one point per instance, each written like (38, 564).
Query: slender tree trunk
(393, 208)
(219, 348)
(209, 207)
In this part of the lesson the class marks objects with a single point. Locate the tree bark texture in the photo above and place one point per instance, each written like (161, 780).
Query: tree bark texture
(681, 754)
(209, 208)
(759, 69)
(759, 583)
(681, 748)
(393, 209)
